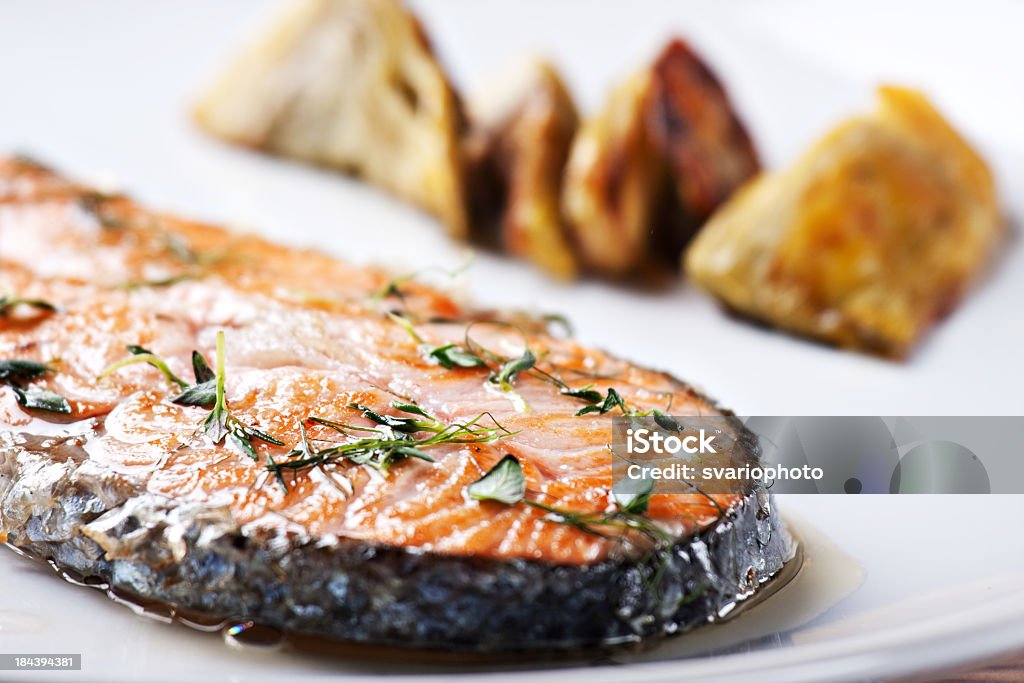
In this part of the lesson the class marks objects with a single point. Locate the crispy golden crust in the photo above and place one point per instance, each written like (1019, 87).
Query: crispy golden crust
(867, 241)
(516, 159)
(697, 130)
(670, 126)
(353, 85)
(614, 183)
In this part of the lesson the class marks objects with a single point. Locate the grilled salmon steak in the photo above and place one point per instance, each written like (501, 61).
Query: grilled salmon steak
(238, 429)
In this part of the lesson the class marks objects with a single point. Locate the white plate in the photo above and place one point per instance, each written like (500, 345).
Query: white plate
(101, 89)
(915, 584)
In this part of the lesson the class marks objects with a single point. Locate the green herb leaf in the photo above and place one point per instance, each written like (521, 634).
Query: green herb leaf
(201, 369)
(665, 422)
(559, 320)
(215, 425)
(635, 503)
(201, 395)
(41, 399)
(207, 392)
(510, 370)
(412, 409)
(504, 483)
(382, 446)
(16, 373)
(452, 355)
(180, 248)
(21, 370)
(379, 452)
(159, 282)
(220, 423)
(406, 425)
(241, 436)
(277, 471)
(252, 432)
(95, 204)
(611, 400)
(9, 303)
(391, 289)
(141, 354)
(587, 393)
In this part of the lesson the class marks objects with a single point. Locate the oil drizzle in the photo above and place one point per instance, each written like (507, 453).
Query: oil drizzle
(248, 633)
(799, 592)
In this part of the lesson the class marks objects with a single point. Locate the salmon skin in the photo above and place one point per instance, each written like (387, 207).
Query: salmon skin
(310, 471)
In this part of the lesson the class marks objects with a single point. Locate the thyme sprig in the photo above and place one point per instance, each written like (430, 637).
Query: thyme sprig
(511, 369)
(505, 483)
(220, 423)
(452, 355)
(393, 288)
(9, 302)
(394, 438)
(505, 369)
(202, 394)
(527, 363)
(207, 392)
(140, 354)
(407, 325)
(19, 374)
(598, 404)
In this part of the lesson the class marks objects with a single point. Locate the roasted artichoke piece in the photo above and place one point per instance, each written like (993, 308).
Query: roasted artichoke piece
(670, 126)
(697, 130)
(352, 85)
(615, 183)
(516, 156)
(872, 237)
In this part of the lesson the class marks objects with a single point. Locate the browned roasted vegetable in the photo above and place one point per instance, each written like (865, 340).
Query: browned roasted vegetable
(353, 85)
(867, 241)
(615, 180)
(517, 155)
(696, 129)
(670, 126)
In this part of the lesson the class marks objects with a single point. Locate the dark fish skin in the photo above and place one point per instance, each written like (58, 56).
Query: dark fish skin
(55, 505)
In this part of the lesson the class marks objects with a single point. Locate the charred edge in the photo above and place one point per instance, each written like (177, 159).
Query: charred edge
(196, 558)
(698, 132)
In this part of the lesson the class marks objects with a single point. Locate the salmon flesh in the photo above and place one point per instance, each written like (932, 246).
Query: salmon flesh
(314, 478)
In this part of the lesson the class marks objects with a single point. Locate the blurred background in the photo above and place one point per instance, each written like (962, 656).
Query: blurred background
(101, 90)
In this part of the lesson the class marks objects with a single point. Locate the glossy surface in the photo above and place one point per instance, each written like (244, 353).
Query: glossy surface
(307, 338)
(872, 238)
